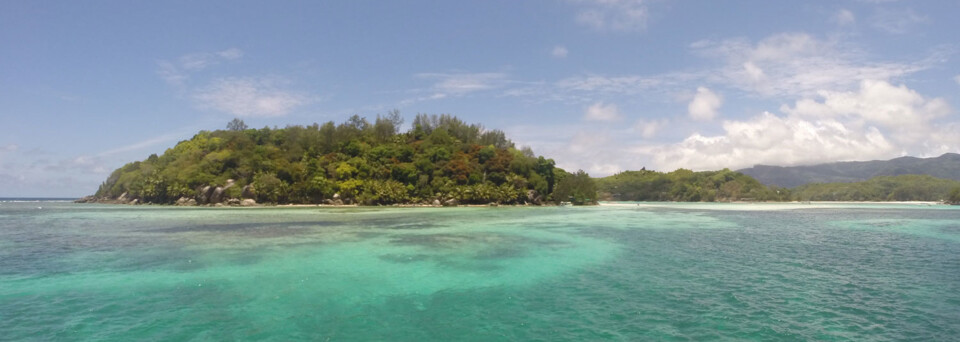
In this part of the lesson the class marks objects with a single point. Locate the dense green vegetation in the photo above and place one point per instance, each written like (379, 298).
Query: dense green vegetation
(885, 188)
(577, 188)
(954, 197)
(725, 185)
(686, 186)
(440, 159)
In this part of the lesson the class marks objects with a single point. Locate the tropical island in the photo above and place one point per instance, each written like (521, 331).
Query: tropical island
(443, 161)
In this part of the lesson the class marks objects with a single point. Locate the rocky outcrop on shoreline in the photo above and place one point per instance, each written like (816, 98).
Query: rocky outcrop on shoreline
(209, 195)
(213, 195)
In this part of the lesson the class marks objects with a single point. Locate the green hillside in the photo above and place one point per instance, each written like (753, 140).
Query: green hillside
(686, 186)
(440, 160)
(884, 188)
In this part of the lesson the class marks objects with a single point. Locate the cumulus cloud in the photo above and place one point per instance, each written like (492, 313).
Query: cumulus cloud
(559, 51)
(784, 66)
(899, 110)
(614, 15)
(249, 97)
(704, 105)
(877, 121)
(793, 64)
(602, 112)
(957, 78)
(770, 139)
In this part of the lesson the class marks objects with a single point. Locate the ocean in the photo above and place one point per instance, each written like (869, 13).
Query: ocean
(626, 271)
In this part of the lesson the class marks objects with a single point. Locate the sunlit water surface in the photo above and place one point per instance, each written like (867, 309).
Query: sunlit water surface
(618, 272)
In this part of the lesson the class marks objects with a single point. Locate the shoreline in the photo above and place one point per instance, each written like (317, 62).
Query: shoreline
(792, 202)
(745, 206)
(773, 206)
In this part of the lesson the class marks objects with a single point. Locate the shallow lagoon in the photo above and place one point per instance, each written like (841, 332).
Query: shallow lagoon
(629, 271)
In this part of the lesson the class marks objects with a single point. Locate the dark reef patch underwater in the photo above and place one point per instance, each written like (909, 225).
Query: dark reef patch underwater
(665, 272)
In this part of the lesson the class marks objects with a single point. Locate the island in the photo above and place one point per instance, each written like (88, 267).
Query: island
(440, 161)
(443, 161)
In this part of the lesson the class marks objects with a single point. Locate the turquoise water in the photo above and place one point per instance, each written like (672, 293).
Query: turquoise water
(622, 272)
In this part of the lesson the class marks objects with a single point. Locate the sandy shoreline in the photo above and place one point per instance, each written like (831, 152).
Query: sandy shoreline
(762, 206)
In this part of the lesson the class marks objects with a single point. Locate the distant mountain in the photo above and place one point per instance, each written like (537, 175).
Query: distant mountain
(946, 166)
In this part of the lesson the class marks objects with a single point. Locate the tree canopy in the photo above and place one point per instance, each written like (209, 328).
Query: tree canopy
(368, 162)
(684, 185)
(884, 188)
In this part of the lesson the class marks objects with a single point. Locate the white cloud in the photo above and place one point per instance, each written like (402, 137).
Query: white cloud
(586, 88)
(464, 83)
(844, 17)
(597, 154)
(602, 112)
(231, 53)
(434, 96)
(793, 64)
(754, 72)
(704, 105)
(649, 128)
(559, 51)
(957, 78)
(614, 15)
(448, 85)
(769, 139)
(784, 66)
(899, 110)
(617, 84)
(877, 121)
(177, 72)
(249, 97)
(896, 21)
(171, 73)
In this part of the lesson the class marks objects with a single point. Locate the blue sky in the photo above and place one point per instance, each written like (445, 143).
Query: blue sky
(599, 85)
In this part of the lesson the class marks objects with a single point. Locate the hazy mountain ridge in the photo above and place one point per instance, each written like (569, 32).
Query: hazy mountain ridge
(946, 166)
